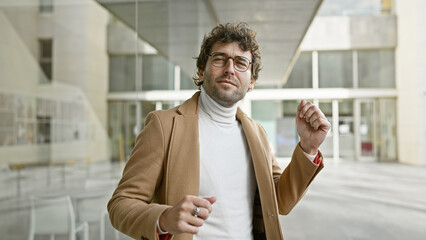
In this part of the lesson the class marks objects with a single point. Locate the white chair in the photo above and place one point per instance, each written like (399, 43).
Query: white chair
(51, 216)
(92, 207)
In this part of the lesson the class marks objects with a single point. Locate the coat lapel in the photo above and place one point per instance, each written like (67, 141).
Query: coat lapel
(263, 172)
(183, 165)
(257, 150)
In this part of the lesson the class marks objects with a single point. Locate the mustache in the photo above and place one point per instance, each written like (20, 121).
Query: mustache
(228, 79)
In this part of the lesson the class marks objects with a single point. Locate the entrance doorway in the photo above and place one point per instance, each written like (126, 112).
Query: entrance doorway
(365, 130)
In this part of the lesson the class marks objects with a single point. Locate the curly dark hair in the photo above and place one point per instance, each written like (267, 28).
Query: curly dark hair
(229, 33)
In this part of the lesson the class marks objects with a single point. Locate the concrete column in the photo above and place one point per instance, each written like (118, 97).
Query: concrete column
(410, 79)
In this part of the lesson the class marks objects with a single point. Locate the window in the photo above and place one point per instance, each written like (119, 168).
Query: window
(376, 68)
(186, 82)
(301, 75)
(122, 73)
(335, 69)
(157, 74)
(45, 6)
(43, 129)
(45, 59)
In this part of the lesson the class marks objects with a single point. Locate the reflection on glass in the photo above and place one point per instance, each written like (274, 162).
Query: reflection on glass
(45, 6)
(45, 59)
(122, 73)
(376, 68)
(386, 130)
(263, 112)
(301, 75)
(158, 73)
(327, 145)
(335, 69)
(346, 130)
(186, 82)
(367, 129)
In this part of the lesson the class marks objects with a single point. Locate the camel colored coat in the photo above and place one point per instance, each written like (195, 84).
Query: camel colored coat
(164, 167)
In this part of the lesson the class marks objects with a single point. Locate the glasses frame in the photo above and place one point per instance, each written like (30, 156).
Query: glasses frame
(227, 59)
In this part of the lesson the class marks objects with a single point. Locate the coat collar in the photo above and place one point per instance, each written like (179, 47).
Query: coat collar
(190, 106)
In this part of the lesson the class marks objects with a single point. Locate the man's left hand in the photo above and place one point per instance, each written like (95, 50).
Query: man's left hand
(312, 126)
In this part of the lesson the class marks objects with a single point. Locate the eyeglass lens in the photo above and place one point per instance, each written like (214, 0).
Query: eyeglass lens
(240, 63)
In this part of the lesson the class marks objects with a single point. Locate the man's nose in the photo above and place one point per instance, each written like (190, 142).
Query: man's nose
(229, 66)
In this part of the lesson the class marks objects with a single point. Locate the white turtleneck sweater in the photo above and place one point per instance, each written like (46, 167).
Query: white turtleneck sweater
(226, 172)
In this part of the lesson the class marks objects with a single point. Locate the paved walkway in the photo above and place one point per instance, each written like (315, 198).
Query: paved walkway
(362, 201)
(347, 201)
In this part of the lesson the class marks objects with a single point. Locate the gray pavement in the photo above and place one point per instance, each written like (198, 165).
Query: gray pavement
(348, 200)
(362, 201)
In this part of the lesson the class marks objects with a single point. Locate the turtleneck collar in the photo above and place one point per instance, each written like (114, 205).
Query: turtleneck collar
(216, 111)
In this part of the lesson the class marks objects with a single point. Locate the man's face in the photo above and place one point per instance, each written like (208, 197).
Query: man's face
(226, 85)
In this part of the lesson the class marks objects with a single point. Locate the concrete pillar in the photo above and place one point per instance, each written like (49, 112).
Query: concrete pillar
(410, 79)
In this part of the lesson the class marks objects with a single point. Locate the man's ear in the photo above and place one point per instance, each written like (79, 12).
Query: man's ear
(252, 82)
(201, 75)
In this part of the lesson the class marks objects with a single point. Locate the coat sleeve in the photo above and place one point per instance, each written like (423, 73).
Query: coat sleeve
(292, 183)
(131, 209)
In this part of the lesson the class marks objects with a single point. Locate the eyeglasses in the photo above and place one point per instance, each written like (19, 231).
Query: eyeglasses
(219, 59)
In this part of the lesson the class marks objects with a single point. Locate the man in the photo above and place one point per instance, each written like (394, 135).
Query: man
(204, 170)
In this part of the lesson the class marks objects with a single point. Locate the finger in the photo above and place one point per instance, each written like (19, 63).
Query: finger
(300, 106)
(313, 118)
(185, 227)
(201, 202)
(195, 221)
(325, 124)
(321, 123)
(304, 109)
(309, 113)
(316, 124)
(203, 213)
(211, 199)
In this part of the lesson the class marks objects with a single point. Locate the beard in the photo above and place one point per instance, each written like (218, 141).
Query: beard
(225, 95)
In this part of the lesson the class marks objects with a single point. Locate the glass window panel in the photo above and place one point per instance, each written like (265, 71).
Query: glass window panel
(335, 69)
(186, 82)
(43, 129)
(386, 130)
(157, 73)
(376, 68)
(31, 129)
(147, 107)
(115, 110)
(21, 133)
(346, 130)
(350, 7)
(7, 119)
(6, 137)
(7, 102)
(286, 136)
(290, 108)
(301, 75)
(122, 73)
(46, 48)
(46, 6)
(367, 134)
(45, 59)
(264, 113)
(327, 145)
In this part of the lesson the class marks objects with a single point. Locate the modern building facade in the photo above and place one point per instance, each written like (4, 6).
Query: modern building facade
(53, 82)
(77, 80)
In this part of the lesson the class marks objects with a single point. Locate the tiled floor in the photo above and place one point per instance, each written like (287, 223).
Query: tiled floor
(348, 200)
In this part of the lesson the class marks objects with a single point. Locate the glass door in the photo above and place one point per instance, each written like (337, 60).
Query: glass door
(130, 127)
(367, 131)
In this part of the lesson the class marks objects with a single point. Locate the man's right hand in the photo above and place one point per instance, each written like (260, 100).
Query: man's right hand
(181, 219)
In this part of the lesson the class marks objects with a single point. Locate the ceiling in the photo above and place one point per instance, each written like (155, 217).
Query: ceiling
(176, 28)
